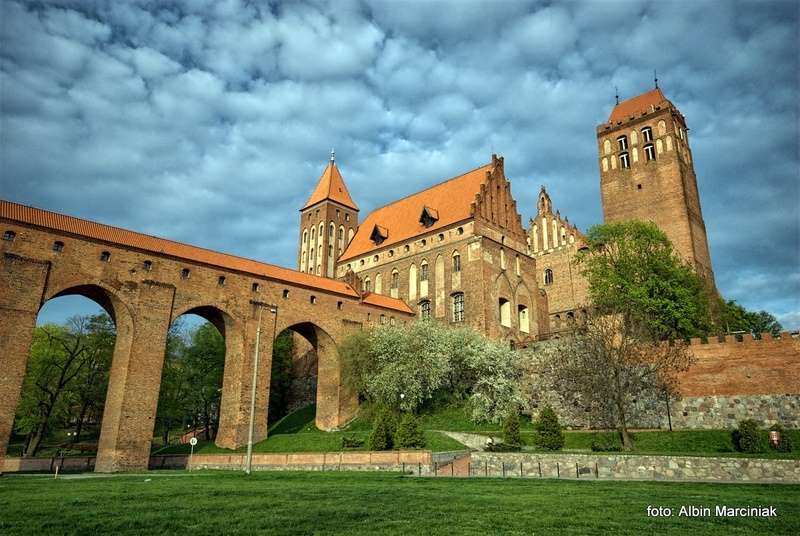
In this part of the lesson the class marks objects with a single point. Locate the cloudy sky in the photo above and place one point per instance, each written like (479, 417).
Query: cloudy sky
(209, 122)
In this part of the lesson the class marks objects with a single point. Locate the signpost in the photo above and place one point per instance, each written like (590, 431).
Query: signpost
(192, 443)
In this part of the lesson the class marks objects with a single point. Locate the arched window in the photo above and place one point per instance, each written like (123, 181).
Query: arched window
(624, 161)
(349, 235)
(622, 142)
(412, 282)
(305, 236)
(502, 259)
(649, 152)
(548, 276)
(605, 164)
(458, 307)
(425, 309)
(378, 283)
(524, 322)
(456, 262)
(517, 268)
(423, 271)
(395, 279)
(367, 284)
(58, 246)
(647, 133)
(331, 230)
(635, 154)
(570, 318)
(634, 137)
(505, 312)
(659, 147)
(9, 236)
(662, 128)
(105, 256)
(313, 233)
(606, 147)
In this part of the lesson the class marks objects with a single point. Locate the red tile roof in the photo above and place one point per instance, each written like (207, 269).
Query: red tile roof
(451, 200)
(114, 235)
(387, 302)
(331, 186)
(636, 105)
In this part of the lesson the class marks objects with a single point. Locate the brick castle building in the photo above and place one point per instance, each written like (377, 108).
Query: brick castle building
(457, 251)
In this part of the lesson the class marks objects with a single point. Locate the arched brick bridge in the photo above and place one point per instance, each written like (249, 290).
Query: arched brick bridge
(145, 283)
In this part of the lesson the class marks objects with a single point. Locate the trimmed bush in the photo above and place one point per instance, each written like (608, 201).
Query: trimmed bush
(605, 445)
(409, 435)
(785, 442)
(351, 442)
(511, 436)
(748, 438)
(383, 428)
(549, 434)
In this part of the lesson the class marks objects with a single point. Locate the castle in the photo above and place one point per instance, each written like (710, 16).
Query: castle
(458, 252)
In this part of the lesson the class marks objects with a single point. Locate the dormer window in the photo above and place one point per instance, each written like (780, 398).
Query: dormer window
(378, 235)
(428, 217)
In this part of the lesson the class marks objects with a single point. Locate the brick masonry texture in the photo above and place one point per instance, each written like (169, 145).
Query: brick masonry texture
(144, 299)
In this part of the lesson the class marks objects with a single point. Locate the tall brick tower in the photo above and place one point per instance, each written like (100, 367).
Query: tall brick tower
(328, 221)
(646, 173)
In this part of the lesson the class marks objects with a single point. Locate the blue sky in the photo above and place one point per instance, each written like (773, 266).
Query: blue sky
(210, 121)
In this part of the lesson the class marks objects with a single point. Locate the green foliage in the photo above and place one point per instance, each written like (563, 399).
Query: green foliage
(351, 442)
(606, 445)
(785, 442)
(422, 364)
(66, 378)
(409, 434)
(511, 436)
(383, 428)
(281, 379)
(549, 434)
(734, 317)
(632, 270)
(748, 437)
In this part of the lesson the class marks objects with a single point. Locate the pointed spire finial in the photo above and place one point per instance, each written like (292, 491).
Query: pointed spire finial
(616, 94)
(655, 77)
(333, 155)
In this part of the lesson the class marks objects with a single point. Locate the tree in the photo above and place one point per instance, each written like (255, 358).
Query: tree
(383, 429)
(632, 271)
(733, 317)
(172, 398)
(425, 363)
(59, 355)
(511, 436)
(549, 434)
(608, 365)
(204, 360)
(409, 435)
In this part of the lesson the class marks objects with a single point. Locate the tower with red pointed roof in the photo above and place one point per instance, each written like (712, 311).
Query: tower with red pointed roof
(328, 221)
(647, 173)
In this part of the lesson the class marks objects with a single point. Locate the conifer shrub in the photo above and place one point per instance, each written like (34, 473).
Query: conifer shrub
(549, 434)
(512, 440)
(383, 428)
(748, 438)
(409, 434)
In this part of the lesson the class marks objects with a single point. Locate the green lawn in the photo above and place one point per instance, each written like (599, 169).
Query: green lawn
(689, 442)
(297, 433)
(375, 503)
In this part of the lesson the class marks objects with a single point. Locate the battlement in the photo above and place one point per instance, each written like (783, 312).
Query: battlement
(746, 339)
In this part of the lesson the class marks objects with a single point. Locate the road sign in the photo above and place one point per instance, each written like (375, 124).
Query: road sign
(193, 441)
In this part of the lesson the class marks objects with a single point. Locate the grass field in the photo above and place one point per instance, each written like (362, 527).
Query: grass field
(375, 503)
(297, 433)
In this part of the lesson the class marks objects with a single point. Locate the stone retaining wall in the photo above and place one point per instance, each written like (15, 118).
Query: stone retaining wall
(416, 462)
(626, 467)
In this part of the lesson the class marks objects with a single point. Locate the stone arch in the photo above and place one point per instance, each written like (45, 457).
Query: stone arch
(233, 333)
(504, 300)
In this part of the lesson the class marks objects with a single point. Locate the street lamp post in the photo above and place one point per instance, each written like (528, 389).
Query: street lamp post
(274, 310)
